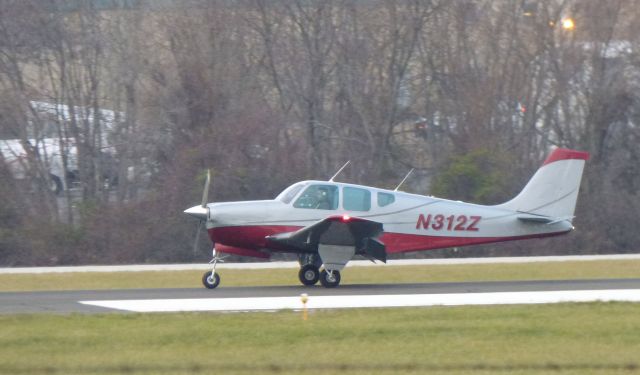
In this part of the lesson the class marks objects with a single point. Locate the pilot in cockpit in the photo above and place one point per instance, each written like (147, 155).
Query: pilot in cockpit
(322, 199)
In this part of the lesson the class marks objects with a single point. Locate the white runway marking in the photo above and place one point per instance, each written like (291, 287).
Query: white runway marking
(362, 301)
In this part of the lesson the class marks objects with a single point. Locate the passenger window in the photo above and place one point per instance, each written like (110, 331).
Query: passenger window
(356, 199)
(321, 197)
(385, 199)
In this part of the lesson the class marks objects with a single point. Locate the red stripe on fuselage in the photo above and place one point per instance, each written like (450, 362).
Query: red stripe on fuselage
(253, 237)
(400, 242)
(242, 251)
(249, 236)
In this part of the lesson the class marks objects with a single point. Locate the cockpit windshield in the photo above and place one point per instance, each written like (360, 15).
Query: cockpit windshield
(289, 193)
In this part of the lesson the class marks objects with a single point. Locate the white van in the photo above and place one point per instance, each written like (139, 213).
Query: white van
(50, 148)
(49, 153)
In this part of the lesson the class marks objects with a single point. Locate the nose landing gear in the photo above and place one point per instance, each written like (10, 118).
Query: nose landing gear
(211, 279)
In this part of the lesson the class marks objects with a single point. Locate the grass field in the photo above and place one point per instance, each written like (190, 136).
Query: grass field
(354, 275)
(594, 338)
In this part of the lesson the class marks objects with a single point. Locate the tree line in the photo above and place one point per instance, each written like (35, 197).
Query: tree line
(472, 94)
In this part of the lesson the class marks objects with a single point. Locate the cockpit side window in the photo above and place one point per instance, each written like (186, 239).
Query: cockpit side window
(385, 199)
(356, 199)
(321, 197)
(291, 193)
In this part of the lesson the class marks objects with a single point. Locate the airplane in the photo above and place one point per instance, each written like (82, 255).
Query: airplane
(327, 223)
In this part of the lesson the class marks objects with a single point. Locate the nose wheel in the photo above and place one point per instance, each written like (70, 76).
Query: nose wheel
(210, 280)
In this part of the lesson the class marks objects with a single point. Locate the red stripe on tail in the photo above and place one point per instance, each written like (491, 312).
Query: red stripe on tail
(565, 154)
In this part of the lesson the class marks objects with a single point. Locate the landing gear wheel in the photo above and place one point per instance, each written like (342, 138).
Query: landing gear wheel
(210, 282)
(309, 274)
(330, 280)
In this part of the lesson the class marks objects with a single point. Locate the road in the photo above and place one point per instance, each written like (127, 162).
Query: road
(65, 302)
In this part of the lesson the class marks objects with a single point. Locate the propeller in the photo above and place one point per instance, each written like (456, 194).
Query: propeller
(205, 193)
(200, 212)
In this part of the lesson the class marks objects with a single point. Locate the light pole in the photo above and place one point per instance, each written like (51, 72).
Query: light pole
(568, 23)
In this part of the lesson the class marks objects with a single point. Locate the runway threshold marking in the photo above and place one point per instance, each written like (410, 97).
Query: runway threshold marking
(364, 301)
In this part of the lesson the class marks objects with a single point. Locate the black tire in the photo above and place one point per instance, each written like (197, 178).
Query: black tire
(309, 274)
(208, 283)
(329, 282)
(55, 184)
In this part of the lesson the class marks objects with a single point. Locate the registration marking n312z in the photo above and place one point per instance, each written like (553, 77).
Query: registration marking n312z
(449, 223)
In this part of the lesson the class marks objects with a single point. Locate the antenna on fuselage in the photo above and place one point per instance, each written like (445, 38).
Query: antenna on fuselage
(339, 170)
(403, 180)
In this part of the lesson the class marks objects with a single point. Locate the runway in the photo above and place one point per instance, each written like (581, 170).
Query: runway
(65, 302)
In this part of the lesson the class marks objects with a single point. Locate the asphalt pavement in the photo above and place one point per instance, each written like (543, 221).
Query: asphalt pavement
(67, 302)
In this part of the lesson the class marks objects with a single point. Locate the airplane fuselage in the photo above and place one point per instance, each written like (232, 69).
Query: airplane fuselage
(411, 222)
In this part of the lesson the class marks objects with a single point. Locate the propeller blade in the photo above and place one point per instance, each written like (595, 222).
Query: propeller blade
(205, 193)
(202, 211)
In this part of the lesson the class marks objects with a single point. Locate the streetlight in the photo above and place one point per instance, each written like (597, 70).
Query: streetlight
(568, 24)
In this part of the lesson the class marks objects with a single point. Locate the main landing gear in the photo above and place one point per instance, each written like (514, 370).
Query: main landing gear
(310, 273)
(211, 279)
(330, 279)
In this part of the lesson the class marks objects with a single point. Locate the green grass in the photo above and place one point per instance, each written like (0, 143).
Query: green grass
(593, 338)
(353, 275)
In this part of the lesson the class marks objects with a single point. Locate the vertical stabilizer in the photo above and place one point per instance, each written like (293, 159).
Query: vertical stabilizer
(553, 189)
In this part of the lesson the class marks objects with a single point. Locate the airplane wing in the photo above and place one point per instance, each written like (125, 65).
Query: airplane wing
(336, 239)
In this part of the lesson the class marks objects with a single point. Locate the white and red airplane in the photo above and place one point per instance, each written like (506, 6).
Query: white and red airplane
(327, 223)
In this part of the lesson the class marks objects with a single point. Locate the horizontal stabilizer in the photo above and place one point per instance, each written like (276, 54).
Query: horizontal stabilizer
(539, 219)
(528, 218)
(561, 219)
